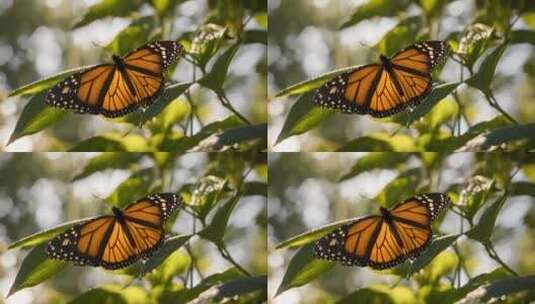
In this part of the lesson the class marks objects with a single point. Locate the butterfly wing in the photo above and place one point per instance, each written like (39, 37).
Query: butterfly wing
(350, 92)
(380, 91)
(83, 243)
(110, 91)
(380, 243)
(111, 243)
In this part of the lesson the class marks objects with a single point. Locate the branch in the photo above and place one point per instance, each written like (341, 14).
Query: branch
(226, 103)
(226, 255)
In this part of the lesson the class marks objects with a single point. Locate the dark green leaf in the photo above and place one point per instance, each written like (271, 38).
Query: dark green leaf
(255, 188)
(217, 228)
(380, 142)
(400, 36)
(98, 144)
(35, 269)
(230, 289)
(482, 231)
(437, 246)
(113, 294)
(229, 138)
(35, 117)
(380, 294)
(483, 78)
(302, 269)
(523, 188)
(375, 8)
(523, 36)
(133, 188)
(455, 143)
(508, 286)
(113, 142)
(106, 8)
(498, 137)
(170, 94)
(376, 160)
(170, 245)
(133, 36)
(215, 79)
(303, 116)
(255, 36)
(400, 188)
(206, 194)
(184, 144)
(106, 161)
(438, 93)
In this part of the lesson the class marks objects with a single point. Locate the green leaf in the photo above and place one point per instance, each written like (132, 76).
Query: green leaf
(227, 139)
(255, 188)
(482, 231)
(43, 236)
(405, 32)
(43, 84)
(437, 94)
(311, 84)
(523, 188)
(376, 142)
(383, 294)
(106, 8)
(216, 230)
(376, 160)
(113, 142)
(206, 194)
(133, 36)
(171, 245)
(255, 36)
(164, 7)
(35, 117)
(106, 161)
(173, 113)
(498, 137)
(215, 79)
(456, 143)
(187, 295)
(454, 295)
(184, 144)
(399, 188)
(35, 268)
(131, 189)
(232, 289)
(311, 236)
(437, 246)
(375, 8)
(483, 78)
(508, 286)
(170, 94)
(303, 116)
(523, 36)
(303, 268)
(98, 144)
(113, 294)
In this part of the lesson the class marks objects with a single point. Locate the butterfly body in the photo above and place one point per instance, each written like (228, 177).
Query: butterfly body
(118, 240)
(385, 88)
(386, 240)
(115, 89)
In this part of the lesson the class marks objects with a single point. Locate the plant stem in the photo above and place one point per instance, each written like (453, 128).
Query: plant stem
(226, 255)
(226, 103)
(494, 255)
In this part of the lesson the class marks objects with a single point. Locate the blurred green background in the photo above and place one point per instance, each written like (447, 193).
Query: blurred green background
(309, 38)
(310, 190)
(41, 190)
(51, 36)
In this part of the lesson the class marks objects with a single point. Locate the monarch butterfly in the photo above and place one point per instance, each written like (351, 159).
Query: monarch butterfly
(116, 241)
(386, 240)
(115, 89)
(383, 89)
